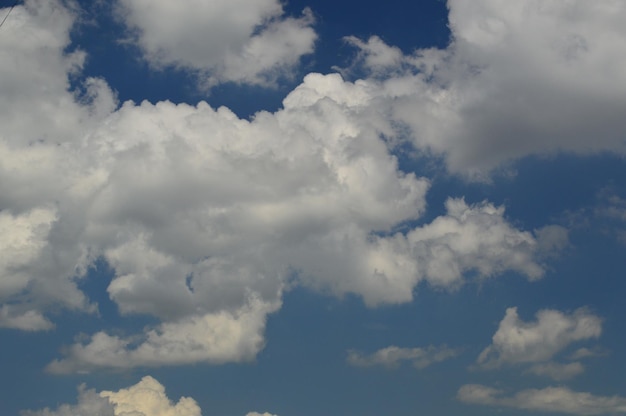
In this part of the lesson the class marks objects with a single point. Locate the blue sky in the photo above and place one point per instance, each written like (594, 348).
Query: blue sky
(257, 208)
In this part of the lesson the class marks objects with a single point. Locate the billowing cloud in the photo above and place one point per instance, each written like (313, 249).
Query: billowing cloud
(243, 41)
(550, 399)
(518, 78)
(196, 225)
(517, 342)
(205, 217)
(148, 398)
(392, 356)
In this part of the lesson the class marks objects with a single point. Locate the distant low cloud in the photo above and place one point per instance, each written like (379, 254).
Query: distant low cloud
(242, 41)
(550, 399)
(146, 398)
(393, 356)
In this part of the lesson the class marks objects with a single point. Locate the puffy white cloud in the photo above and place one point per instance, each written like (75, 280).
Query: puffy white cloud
(148, 398)
(517, 342)
(518, 78)
(550, 399)
(474, 238)
(214, 338)
(244, 41)
(392, 356)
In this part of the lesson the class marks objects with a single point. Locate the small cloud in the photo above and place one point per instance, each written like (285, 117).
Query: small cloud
(519, 342)
(557, 371)
(392, 356)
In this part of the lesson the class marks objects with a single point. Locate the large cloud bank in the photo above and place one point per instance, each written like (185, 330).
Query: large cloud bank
(207, 218)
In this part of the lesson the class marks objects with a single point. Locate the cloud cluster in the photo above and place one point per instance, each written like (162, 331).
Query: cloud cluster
(550, 399)
(392, 356)
(242, 41)
(204, 217)
(523, 78)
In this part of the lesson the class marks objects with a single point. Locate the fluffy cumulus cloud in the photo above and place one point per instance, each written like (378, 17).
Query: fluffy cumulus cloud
(243, 41)
(392, 356)
(518, 78)
(206, 218)
(536, 343)
(146, 398)
(549, 399)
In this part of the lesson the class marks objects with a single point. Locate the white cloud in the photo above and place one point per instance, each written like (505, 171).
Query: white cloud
(260, 414)
(148, 398)
(519, 78)
(243, 41)
(473, 238)
(376, 55)
(392, 356)
(213, 338)
(550, 399)
(517, 342)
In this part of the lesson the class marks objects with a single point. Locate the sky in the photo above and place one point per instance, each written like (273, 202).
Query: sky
(266, 208)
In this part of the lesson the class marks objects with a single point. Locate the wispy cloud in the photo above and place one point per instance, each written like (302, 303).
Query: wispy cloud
(393, 356)
(549, 399)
